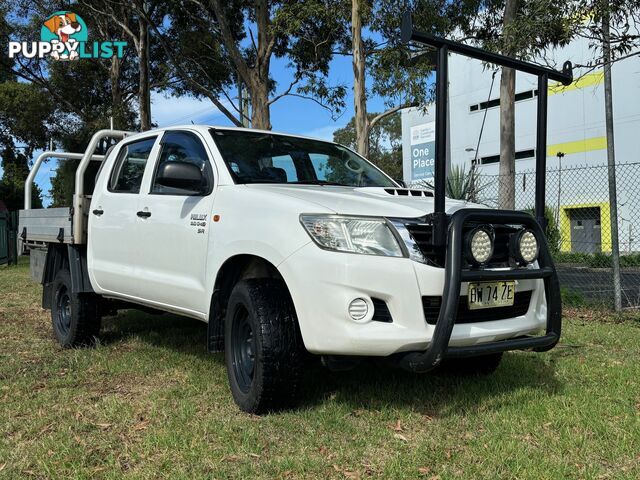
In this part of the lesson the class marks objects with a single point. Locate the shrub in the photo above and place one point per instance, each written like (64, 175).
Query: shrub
(552, 233)
(572, 298)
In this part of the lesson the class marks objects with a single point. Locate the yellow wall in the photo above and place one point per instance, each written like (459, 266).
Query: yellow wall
(578, 146)
(605, 225)
(587, 80)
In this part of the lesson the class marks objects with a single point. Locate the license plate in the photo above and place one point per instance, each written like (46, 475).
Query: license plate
(490, 294)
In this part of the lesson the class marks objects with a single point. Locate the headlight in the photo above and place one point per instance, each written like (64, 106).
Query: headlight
(524, 246)
(479, 245)
(370, 236)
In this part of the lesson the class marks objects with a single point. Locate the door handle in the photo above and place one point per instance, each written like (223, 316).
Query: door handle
(98, 212)
(143, 214)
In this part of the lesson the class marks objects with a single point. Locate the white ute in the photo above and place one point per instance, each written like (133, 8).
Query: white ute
(285, 245)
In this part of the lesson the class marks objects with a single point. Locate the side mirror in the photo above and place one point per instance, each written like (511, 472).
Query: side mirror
(182, 175)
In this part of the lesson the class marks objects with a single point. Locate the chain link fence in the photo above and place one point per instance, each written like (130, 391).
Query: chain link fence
(578, 214)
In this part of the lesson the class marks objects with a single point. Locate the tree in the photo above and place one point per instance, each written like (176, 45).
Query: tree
(612, 30)
(507, 172)
(522, 29)
(15, 169)
(24, 112)
(382, 58)
(242, 38)
(385, 142)
(83, 95)
(133, 17)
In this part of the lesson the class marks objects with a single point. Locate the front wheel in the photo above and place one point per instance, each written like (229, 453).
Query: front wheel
(263, 346)
(75, 317)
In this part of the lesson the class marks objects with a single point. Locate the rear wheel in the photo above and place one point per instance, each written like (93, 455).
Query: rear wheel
(484, 365)
(74, 316)
(264, 353)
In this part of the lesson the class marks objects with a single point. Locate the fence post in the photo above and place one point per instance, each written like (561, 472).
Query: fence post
(611, 166)
(12, 244)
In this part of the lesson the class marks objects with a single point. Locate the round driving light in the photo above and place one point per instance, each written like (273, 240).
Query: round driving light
(358, 309)
(480, 246)
(528, 246)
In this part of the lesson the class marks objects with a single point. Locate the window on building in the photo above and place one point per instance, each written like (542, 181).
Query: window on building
(520, 155)
(519, 97)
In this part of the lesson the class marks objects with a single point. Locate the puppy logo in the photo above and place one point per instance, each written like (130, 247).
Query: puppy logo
(64, 36)
(65, 30)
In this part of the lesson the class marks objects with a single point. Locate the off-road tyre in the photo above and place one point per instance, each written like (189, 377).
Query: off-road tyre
(74, 316)
(263, 348)
(483, 365)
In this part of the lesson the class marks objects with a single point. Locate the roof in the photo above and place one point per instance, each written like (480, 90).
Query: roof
(204, 128)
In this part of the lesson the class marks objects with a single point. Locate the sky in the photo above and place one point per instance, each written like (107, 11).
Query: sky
(289, 114)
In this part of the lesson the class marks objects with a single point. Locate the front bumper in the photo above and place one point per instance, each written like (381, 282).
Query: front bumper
(323, 283)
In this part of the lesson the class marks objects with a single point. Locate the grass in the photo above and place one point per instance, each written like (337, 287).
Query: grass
(149, 401)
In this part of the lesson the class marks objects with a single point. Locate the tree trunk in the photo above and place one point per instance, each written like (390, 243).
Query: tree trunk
(144, 91)
(507, 178)
(117, 108)
(260, 112)
(359, 87)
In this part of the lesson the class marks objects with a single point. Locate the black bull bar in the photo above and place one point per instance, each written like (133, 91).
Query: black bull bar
(455, 274)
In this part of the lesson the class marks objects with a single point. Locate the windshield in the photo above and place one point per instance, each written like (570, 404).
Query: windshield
(256, 157)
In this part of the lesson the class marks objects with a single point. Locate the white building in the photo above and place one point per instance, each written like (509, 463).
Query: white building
(576, 128)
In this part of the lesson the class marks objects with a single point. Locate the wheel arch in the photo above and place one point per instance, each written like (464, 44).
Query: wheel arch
(67, 257)
(235, 268)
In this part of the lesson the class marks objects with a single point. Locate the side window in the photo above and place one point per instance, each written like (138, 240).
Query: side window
(182, 147)
(285, 165)
(128, 169)
(320, 164)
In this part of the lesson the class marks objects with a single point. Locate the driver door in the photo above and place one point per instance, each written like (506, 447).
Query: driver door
(174, 227)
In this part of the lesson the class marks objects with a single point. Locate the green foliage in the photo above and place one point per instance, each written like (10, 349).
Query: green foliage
(394, 77)
(551, 232)
(572, 297)
(597, 260)
(385, 142)
(539, 25)
(462, 184)
(24, 112)
(15, 171)
(302, 34)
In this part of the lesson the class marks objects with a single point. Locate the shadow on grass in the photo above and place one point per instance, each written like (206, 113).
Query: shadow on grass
(436, 394)
(370, 385)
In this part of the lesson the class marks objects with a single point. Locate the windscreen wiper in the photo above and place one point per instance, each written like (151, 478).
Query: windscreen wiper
(318, 182)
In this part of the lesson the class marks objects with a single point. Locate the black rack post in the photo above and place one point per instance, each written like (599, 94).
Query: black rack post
(440, 166)
(541, 150)
(544, 74)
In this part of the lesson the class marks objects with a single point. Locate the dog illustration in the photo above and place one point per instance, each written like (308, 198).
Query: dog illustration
(64, 26)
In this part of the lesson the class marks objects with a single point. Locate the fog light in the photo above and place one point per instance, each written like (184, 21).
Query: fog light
(524, 247)
(358, 309)
(479, 245)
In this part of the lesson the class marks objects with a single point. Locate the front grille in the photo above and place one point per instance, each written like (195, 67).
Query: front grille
(381, 312)
(431, 307)
(422, 234)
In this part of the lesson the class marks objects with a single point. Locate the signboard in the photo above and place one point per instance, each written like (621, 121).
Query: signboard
(423, 143)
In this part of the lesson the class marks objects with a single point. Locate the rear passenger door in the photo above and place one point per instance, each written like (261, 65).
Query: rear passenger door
(113, 222)
(175, 229)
